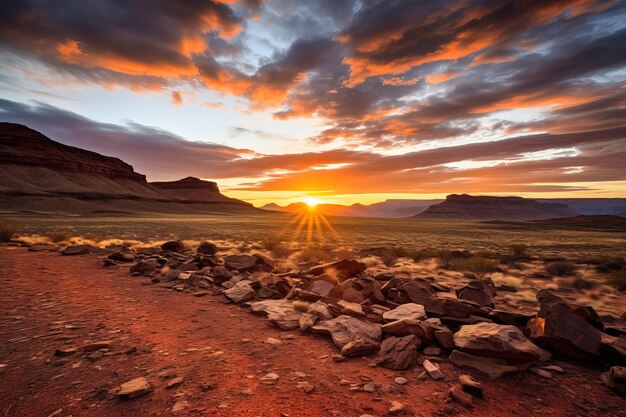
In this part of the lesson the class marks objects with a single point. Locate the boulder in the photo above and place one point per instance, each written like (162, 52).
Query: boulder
(493, 368)
(567, 329)
(615, 379)
(76, 250)
(279, 312)
(346, 268)
(207, 248)
(306, 321)
(173, 246)
(422, 329)
(510, 317)
(402, 291)
(360, 346)
(123, 256)
(344, 329)
(548, 300)
(498, 341)
(448, 307)
(221, 274)
(144, 267)
(323, 287)
(481, 292)
(321, 310)
(398, 352)
(248, 263)
(360, 289)
(405, 311)
(241, 292)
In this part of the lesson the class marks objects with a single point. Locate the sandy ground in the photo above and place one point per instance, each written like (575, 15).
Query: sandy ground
(220, 350)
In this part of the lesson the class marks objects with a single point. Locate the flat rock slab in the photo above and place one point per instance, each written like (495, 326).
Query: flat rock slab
(344, 329)
(398, 352)
(134, 388)
(76, 250)
(241, 292)
(493, 368)
(498, 341)
(405, 311)
(279, 312)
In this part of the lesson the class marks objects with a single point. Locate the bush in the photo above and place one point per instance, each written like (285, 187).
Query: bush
(7, 231)
(618, 279)
(518, 249)
(57, 236)
(610, 263)
(275, 244)
(477, 266)
(561, 268)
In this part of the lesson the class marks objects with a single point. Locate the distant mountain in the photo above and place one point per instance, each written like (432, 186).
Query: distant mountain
(464, 206)
(591, 206)
(41, 175)
(389, 208)
(603, 222)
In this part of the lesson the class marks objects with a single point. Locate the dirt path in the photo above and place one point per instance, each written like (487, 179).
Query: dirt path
(51, 302)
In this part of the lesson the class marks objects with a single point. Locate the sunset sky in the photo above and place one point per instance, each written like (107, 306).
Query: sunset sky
(348, 101)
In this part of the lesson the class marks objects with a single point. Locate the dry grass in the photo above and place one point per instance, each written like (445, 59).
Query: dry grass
(518, 249)
(59, 235)
(618, 279)
(561, 268)
(7, 231)
(477, 266)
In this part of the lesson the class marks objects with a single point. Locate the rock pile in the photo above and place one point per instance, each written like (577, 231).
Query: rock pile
(397, 321)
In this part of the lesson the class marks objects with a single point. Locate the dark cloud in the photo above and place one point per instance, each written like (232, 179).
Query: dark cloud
(516, 77)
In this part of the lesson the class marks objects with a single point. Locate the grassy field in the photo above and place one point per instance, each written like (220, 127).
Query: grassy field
(356, 233)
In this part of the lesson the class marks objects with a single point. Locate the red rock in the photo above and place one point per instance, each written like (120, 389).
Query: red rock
(398, 352)
(347, 268)
(460, 396)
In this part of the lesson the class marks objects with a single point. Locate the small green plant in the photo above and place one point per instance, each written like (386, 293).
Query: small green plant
(561, 268)
(618, 279)
(477, 266)
(7, 231)
(518, 249)
(58, 235)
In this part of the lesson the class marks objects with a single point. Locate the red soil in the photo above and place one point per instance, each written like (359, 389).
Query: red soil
(49, 302)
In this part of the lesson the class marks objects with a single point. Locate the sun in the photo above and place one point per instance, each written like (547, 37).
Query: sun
(311, 201)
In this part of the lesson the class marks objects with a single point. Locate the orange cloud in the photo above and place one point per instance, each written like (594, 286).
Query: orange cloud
(177, 98)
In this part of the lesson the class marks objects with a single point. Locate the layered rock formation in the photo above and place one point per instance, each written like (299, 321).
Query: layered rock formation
(463, 206)
(41, 175)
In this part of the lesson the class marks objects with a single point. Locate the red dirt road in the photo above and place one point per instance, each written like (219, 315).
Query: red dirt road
(50, 302)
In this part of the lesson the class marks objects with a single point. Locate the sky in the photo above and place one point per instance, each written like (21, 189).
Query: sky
(347, 101)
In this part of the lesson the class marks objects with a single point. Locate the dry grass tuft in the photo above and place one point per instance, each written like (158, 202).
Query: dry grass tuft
(561, 268)
(59, 235)
(7, 231)
(476, 265)
(618, 279)
(300, 305)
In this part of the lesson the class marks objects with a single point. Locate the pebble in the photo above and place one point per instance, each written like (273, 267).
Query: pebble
(369, 387)
(270, 378)
(180, 405)
(432, 369)
(541, 373)
(460, 396)
(400, 381)
(396, 408)
(175, 382)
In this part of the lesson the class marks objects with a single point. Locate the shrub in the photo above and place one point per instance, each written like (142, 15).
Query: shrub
(276, 246)
(57, 236)
(477, 266)
(610, 263)
(561, 268)
(392, 254)
(7, 231)
(618, 279)
(518, 249)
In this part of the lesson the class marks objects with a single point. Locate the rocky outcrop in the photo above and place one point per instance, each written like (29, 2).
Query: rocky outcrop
(81, 181)
(463, 206)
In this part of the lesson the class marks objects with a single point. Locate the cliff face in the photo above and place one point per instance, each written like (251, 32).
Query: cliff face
(20, 145)
(39, 174)
(463, 206)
